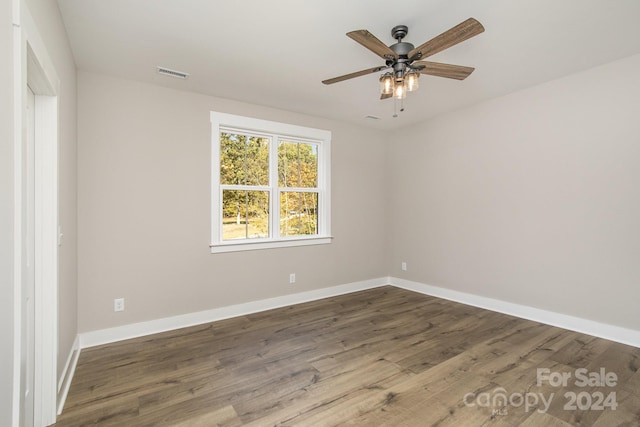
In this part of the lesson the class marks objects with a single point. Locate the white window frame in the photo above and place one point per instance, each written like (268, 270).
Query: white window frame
(276, 132)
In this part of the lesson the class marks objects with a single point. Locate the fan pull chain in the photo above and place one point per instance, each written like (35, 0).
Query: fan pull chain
(395, 106)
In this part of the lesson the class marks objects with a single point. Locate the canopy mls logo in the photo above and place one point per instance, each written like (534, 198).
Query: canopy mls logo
(500, 401)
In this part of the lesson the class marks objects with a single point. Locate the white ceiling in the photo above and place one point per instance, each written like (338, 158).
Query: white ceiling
(276, 52)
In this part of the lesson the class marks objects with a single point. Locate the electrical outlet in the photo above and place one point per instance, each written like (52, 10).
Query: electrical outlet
(118, 304)
(404, 266)
(292, 278)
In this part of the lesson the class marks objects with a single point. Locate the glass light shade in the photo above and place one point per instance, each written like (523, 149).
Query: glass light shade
(386, 84)
(399, 90)
(412, 80)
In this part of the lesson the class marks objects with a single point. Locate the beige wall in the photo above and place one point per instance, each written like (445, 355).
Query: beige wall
(6, 214)
(532, 198)
(144, 208)
(47, 17)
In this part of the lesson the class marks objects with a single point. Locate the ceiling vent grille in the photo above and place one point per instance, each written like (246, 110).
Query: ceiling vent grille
(172, 73)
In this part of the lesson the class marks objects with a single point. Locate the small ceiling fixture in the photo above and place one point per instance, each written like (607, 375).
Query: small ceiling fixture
(402, 58)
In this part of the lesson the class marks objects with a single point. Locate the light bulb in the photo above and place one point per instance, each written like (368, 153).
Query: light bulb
(399, 91)
(386, 84)
(412, 80)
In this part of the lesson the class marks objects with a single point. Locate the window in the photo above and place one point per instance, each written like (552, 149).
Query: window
(270, 184)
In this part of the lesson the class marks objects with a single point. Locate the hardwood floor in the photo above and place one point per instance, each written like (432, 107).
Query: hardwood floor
(381, 357)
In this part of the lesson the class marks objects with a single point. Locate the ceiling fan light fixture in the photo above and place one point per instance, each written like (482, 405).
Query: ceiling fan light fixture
(412, 80)
(387, 83)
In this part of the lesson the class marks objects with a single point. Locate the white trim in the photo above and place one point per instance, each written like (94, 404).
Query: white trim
(33, 66)
(46, 284)
(231, 246)
(64, 382)
(585, 326)
(268, 126)
(68, 366)
(18, 85)
(105, 336)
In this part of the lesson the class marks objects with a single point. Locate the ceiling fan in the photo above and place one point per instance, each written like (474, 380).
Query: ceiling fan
(404, 59)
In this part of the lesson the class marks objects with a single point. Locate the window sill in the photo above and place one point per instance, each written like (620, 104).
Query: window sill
(271, 244)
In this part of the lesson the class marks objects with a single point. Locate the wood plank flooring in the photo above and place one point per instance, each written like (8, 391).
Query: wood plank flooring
(381, 357)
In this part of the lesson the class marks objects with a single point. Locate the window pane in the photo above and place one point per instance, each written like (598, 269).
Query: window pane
(245, 214)
(297, 164)
(244, 160)
(298, 213)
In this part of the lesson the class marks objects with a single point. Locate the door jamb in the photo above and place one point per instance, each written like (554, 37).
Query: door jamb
(33, 66)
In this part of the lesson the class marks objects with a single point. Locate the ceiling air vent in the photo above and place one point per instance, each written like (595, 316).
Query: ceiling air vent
(172, 73)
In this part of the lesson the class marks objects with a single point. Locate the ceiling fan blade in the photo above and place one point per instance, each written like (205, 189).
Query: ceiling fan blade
(457, 72)
(461, 32)
(386, 95)
(371, 42)
(356, 74)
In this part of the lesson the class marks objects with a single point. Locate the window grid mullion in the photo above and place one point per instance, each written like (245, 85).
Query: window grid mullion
(274, 213)
(245, 187)
(299, 189)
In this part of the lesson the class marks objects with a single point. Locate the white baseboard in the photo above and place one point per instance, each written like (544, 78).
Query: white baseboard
(64, 382)
(585, 326)
(134, 330)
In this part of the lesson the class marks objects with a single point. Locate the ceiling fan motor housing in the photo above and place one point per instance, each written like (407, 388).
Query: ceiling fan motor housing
(401, 49)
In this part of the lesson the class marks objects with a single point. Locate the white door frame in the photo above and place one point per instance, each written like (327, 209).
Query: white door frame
(33, 66)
